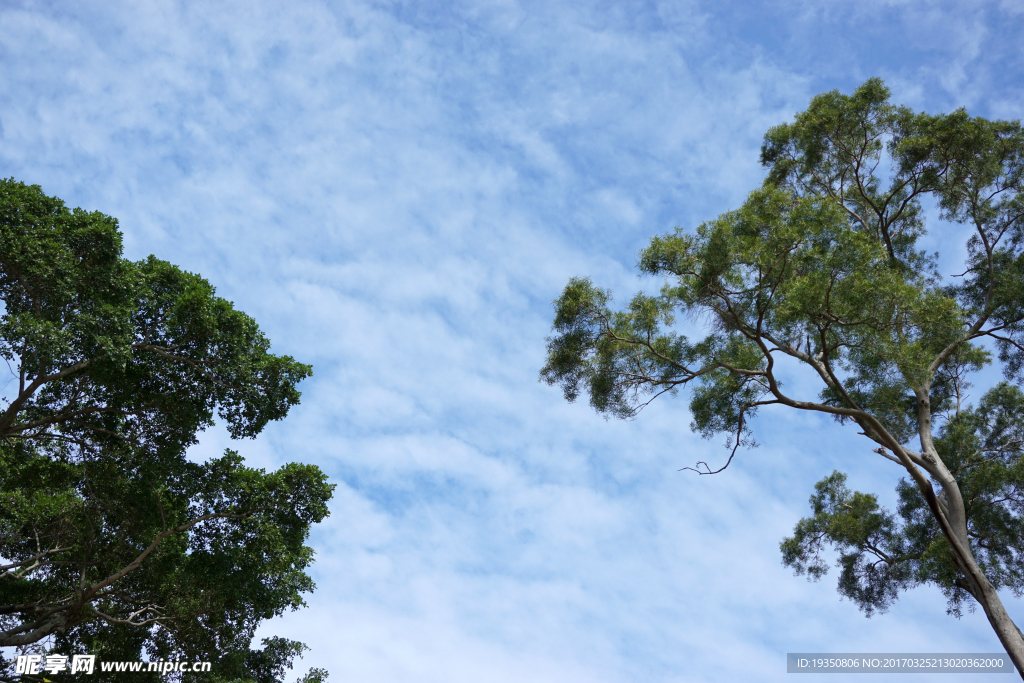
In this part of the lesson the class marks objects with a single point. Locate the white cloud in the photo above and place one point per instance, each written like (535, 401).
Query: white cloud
(396, 192)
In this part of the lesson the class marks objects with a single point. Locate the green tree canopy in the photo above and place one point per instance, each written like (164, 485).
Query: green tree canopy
(820, 272)
(112, 542)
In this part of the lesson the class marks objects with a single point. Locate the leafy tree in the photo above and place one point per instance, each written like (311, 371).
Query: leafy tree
(819, 273)
(112, 542)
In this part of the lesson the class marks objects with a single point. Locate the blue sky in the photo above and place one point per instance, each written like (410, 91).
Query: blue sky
(396, 191)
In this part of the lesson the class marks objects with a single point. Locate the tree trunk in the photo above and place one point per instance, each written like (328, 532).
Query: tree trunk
(1008, 633)
(951, 515)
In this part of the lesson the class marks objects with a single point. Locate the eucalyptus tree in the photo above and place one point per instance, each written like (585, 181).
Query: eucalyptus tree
(113, 542)
(820, 273)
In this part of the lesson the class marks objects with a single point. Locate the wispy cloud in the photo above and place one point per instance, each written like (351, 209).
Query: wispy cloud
(396, 192)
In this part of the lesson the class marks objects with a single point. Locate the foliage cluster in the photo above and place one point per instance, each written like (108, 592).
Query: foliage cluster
(113, 542)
